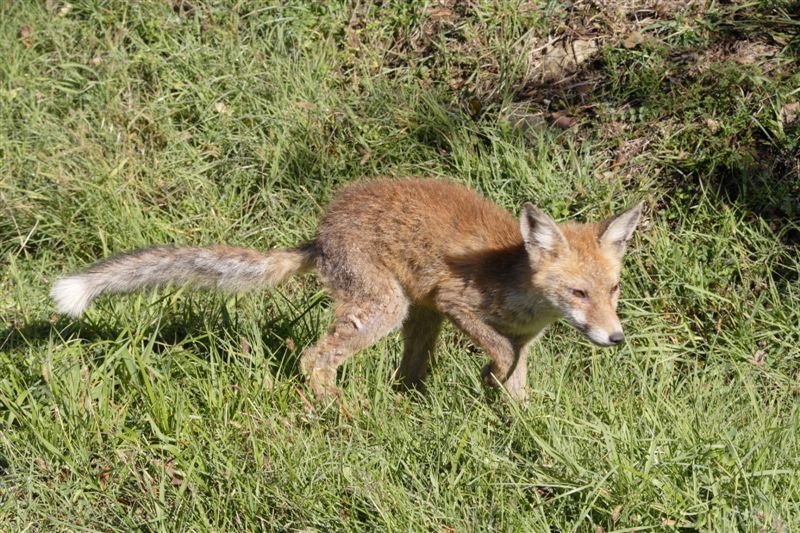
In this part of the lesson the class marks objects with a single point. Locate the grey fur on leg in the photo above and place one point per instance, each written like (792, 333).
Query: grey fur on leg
(358, 325)
(420, 332)
(517, 382)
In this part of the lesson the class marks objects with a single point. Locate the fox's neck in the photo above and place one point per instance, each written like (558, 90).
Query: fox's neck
(518, 306)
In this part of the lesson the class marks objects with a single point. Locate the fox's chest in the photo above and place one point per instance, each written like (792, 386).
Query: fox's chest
(523, 317)
(528, 329)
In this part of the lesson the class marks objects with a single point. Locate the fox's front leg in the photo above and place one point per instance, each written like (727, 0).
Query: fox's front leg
(517, 382)
(508, 362)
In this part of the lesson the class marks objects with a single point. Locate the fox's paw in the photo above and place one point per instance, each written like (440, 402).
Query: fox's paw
(515, 390)
(322, 382)
(518, 394)
(307, 363)
(488, 378)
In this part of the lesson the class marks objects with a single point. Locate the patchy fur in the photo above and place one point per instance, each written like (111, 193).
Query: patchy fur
(410, 253)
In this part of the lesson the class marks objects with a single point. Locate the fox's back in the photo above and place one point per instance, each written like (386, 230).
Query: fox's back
(412, 229)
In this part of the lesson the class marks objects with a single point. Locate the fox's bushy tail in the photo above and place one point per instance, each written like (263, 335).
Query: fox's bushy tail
(217, 267)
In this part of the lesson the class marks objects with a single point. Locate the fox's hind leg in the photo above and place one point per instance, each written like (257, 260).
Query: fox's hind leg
(420, 331)
(360, 321)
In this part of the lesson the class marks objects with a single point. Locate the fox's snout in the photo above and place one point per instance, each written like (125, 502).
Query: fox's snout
(603, 338)
(604, 327)
(616, 337)
(608, 334)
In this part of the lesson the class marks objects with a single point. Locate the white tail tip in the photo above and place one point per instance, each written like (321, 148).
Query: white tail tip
(72, 295)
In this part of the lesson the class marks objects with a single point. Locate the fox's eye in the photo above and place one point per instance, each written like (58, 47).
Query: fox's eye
(577, 293)
(615, 288)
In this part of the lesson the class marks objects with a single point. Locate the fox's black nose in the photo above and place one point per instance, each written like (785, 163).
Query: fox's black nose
(616, 338)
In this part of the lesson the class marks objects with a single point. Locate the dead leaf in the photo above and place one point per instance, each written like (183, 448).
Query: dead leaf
(25, 36)
(103, 477)
(583, 49)
(439, 13)
(308, 106)
(562, 120)
(169, 469)
(64, 10)
(39, 462)
(789, 112)
(751, 52)
(221, 108)
(457, 83)
(562, 59)
(244, 344)
(615, 514)
(713, 125)
(668, 522)
(126, 456)
(759, 358)
(633, 40)
(290, 344)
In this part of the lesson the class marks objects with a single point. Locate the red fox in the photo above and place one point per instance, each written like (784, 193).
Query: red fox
(408, 254)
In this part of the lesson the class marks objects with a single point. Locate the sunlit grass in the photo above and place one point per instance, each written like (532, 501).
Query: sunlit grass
(128, 124)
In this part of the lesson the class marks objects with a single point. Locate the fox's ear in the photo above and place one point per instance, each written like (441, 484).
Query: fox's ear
(539, 231)
(616, 231)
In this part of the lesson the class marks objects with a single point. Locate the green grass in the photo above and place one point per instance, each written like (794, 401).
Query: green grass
(127, 124)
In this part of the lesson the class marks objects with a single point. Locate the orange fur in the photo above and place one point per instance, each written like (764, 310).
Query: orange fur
(410, 253)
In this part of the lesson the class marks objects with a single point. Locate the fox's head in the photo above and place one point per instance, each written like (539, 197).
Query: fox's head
(577, 268)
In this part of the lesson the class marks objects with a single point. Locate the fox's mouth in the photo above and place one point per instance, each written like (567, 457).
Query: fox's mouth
(605, 344)
(603, 338)
(584, 328)
(598, 337)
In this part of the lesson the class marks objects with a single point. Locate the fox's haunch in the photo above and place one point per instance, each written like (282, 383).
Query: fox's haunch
(218, 267)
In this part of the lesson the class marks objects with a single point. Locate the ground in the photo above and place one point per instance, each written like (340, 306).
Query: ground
(124, 124)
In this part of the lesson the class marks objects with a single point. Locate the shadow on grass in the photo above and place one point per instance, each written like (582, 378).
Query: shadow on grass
(723, 135)
(768, 185)
(201, 330)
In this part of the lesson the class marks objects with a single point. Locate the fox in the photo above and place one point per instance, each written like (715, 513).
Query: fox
(407, 254)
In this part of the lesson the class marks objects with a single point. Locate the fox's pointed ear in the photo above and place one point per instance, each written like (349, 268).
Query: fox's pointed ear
(539, 231)
(615, 232)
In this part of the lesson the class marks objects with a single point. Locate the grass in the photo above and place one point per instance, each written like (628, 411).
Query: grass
(126, 124)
